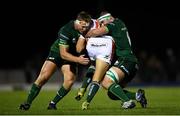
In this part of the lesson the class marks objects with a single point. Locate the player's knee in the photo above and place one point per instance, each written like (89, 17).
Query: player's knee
(106, 82)
(42, 79)
(69, 80)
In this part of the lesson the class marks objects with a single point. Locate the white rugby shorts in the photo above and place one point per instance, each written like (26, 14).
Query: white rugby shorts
(101, 47)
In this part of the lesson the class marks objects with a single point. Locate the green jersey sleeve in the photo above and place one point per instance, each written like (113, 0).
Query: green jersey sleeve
(67, 36)
(67, 33)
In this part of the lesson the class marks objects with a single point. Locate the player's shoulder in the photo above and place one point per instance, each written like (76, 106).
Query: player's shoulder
(119, 21)
(68, 26)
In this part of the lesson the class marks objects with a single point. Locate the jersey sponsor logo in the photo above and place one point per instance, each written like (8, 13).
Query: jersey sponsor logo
(98, 45)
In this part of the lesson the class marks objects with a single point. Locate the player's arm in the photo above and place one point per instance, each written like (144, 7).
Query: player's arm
(97, 32)
(68, 56)
(81, 43)
(64, 38)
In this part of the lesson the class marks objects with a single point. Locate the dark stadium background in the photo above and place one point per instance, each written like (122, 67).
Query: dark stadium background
(29, 28)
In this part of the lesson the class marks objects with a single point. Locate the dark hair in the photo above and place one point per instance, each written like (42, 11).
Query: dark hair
(84, 16)
(103, 13)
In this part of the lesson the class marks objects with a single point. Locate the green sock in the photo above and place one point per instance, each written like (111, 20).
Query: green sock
(92, 91)
(118, 92)
(60, 94)
(88, 78)
(33, 93)
(130, 95)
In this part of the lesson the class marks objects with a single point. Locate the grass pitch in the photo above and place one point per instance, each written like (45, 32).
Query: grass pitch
(161, 101)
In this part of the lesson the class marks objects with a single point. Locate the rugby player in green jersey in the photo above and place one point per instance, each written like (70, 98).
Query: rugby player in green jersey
(123, 70)
(62, 55)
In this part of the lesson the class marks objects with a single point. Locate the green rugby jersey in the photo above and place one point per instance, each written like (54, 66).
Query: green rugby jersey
(67, 36)
(119, 32)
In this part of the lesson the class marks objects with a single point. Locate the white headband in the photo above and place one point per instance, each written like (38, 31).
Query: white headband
(104, 17)
(78, 22)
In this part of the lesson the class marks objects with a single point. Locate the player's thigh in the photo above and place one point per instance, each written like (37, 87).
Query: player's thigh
(113, 75)
(48, 68)
(46, 72)
(101, 68)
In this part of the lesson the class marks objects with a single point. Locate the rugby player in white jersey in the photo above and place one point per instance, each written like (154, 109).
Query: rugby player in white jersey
(100, 51)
